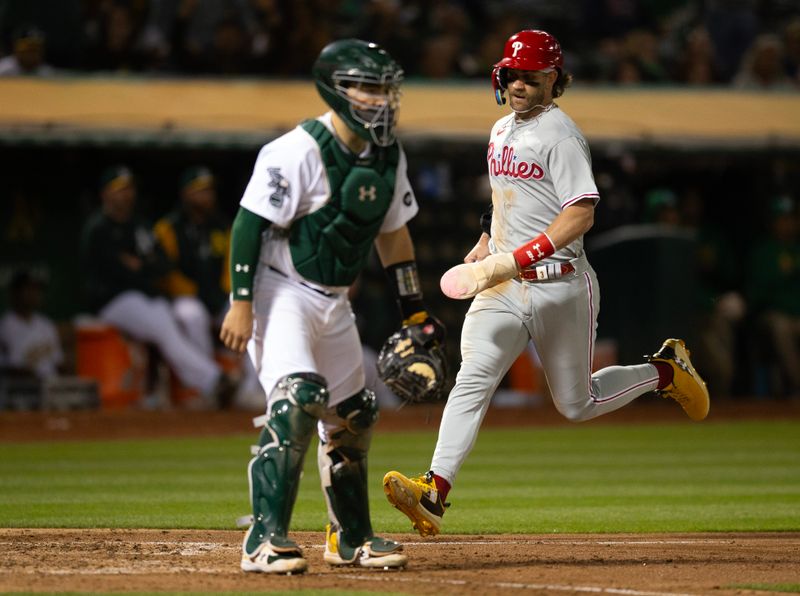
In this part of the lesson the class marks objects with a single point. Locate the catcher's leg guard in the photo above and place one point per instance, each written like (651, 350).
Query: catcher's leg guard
(342, 459)
(274, 472)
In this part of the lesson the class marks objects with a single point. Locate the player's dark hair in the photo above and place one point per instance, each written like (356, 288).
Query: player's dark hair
(563, 81)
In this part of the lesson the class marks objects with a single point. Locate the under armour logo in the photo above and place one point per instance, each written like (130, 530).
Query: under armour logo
(280, 184)
(365, 193)
(241, 268)
(539, 254)
(517, 45)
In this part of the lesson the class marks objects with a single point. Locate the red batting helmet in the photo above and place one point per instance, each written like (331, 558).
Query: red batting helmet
(527, 50)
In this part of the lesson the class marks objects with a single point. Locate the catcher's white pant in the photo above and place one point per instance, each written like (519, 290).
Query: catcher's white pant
(298, 329)
(151, 320)
(560, 316)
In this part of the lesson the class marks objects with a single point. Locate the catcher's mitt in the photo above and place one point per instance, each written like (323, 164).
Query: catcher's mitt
(412, 362)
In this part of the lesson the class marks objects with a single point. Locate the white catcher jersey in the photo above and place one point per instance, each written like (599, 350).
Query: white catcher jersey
(289, 181)
(537, 168)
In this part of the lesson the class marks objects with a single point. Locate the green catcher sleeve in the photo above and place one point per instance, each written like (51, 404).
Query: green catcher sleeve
(245, 248)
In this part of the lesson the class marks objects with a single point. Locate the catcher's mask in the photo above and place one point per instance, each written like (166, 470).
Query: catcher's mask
(527, 50)
(360, 81)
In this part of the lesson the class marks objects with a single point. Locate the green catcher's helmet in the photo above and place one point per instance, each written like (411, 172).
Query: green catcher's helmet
(342, 68)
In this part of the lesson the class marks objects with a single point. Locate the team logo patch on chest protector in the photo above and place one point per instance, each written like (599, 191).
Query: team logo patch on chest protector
(331, 245)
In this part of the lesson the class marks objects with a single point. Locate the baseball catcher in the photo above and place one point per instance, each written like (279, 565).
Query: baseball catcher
(320, 198)
(412, 362)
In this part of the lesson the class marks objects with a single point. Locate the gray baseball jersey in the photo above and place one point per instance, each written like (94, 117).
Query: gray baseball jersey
(537, 168)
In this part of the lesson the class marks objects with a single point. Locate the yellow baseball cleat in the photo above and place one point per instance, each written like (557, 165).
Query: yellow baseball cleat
(418, 499)
(687, 387)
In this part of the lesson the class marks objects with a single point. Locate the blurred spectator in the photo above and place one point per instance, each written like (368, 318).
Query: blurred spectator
(196, 240)
(661, 207)
(493, 36)
(211, 40)
(733, 25)
(613, 18)
(395, 26)
(29, 341)
(114, 37)
(762, 66)
(627, 72)
(622, 41)
(720, 306)
(791, 37)
(774, 292)
(440, 57)
(696, 63)
(28, 54)
(124, 264)
(641, 48)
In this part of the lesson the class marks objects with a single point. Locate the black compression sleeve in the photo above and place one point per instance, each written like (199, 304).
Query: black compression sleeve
(245, 248)
(404, 281)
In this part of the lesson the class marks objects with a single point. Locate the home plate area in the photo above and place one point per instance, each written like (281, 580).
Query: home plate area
(49, 560)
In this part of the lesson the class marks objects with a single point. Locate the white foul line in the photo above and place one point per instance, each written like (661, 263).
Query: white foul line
(516, 586)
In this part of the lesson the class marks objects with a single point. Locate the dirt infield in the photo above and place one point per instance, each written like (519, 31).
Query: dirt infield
(207, 561)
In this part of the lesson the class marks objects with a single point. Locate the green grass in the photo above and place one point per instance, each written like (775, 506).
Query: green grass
(737, 476)
(791, 588)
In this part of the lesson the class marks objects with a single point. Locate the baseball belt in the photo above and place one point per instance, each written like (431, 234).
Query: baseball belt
(325, 293)
(546, 272)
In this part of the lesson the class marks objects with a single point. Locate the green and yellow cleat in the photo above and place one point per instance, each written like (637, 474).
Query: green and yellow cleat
(279, 555)
(687, 387)
(375, 553)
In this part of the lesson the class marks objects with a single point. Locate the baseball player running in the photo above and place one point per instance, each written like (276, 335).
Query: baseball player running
(531, 281)
(318, 199)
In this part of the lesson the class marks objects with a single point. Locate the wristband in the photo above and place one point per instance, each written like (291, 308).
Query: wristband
(534, 251)
(404, 281)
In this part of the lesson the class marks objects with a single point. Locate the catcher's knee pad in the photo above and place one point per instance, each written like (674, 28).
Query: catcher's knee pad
(274, 472)
(342, 460)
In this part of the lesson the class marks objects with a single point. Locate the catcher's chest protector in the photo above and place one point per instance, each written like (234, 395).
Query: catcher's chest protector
(331, 245)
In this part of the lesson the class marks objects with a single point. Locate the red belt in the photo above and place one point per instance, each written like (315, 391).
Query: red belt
(546, 272)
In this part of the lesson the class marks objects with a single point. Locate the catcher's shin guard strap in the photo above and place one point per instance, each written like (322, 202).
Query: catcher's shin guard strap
(342, 460)
(274, 472)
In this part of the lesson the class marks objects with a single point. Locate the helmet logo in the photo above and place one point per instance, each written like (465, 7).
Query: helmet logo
(365, 193)
(517, 45)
